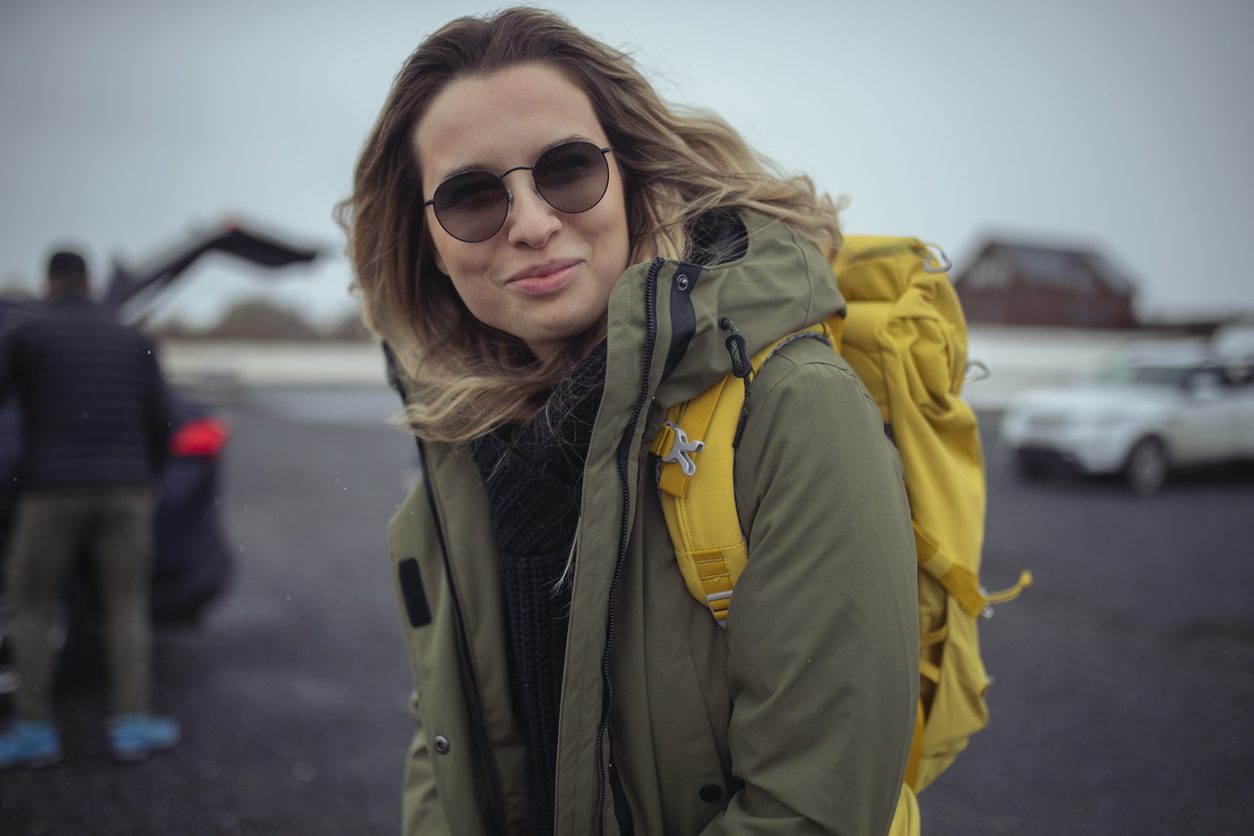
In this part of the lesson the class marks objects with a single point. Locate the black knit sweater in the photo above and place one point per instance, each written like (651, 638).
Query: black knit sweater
(533, 474)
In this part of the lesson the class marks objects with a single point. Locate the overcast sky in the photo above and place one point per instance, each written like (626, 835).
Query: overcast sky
(1122, 126)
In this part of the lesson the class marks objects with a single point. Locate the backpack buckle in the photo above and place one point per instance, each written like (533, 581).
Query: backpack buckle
(719, 603)
(935, 260)
(681, 449)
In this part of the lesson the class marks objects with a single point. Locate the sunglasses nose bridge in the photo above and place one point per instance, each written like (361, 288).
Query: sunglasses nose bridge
(535, 189)
(509, 194)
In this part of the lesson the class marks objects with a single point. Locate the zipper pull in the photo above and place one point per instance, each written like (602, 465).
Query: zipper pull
(741, 368)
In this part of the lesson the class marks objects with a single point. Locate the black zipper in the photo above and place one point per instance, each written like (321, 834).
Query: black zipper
(470, 684)
(624, 455)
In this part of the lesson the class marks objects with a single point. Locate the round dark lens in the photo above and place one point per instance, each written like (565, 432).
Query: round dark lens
(572, 177)
(472, 206)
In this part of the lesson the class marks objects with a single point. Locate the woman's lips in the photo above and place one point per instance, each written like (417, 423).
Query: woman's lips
(545, 279)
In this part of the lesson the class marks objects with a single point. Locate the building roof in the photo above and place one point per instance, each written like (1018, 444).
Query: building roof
(1001, 262)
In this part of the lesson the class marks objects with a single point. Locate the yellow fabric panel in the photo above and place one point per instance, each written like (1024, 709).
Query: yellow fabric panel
(958, 709)
(905, 337)
(906, 330)
(906, 820)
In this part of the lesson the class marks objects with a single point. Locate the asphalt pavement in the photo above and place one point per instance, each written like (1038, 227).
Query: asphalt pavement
(1122, 677)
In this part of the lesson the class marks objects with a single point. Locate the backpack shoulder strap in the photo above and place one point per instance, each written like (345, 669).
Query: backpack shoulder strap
(695, 482)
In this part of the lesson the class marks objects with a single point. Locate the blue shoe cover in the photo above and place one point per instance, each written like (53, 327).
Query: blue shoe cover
(30, 743)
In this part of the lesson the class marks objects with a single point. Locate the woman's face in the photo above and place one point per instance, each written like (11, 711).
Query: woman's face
(545, 276)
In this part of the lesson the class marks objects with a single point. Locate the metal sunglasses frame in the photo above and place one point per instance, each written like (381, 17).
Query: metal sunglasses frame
(509, 195)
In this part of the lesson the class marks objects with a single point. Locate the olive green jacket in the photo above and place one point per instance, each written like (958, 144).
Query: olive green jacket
(797, 718)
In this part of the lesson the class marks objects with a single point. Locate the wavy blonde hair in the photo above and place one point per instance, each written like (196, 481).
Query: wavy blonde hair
(677, 164)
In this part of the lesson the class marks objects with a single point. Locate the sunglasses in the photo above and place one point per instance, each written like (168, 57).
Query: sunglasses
(571, 177)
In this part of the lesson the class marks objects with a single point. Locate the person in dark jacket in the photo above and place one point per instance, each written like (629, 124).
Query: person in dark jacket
(95, 433)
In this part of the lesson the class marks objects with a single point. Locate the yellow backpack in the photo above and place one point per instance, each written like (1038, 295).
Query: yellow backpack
(905, 336)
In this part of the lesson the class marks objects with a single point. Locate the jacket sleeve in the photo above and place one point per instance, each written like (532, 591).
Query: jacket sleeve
(823, 631)
(8, 364)
(158, 417)
(421, 812)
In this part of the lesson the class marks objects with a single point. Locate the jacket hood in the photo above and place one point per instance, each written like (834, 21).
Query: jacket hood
(776, 283)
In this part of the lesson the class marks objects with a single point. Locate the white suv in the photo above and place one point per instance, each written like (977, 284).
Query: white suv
(1139, 417)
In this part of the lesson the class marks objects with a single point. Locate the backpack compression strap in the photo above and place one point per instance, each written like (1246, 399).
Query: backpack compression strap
(695, 447)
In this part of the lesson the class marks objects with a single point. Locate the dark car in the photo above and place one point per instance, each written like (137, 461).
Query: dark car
(192, 556)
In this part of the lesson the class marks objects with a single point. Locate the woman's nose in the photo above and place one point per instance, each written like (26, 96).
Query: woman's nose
(532, 221)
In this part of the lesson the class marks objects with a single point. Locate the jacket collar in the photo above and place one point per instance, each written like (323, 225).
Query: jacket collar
(780, 283)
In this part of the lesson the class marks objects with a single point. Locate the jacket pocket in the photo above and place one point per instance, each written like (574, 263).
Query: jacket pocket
(695, 783)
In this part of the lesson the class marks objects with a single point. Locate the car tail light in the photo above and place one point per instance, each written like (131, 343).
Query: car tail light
(200, 437)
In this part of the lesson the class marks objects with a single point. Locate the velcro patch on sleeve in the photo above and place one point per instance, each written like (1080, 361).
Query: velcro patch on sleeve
(415, 596)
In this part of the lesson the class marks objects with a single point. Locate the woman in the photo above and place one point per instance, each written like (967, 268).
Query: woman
(554, 256)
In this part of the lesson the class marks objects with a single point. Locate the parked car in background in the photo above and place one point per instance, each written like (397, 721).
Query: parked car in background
(192, 555)
(1141, 417)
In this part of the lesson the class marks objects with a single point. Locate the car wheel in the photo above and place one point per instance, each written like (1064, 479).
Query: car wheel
(1146, 469)
(1030, 468)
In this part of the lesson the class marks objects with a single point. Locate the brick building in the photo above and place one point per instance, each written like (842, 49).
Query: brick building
(1020, 284)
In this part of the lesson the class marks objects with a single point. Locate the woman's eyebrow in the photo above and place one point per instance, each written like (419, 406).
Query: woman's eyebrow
(462, 169)
(469, 167)
(571, 138)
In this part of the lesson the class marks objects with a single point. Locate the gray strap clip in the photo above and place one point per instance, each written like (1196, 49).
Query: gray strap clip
(681, 449)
